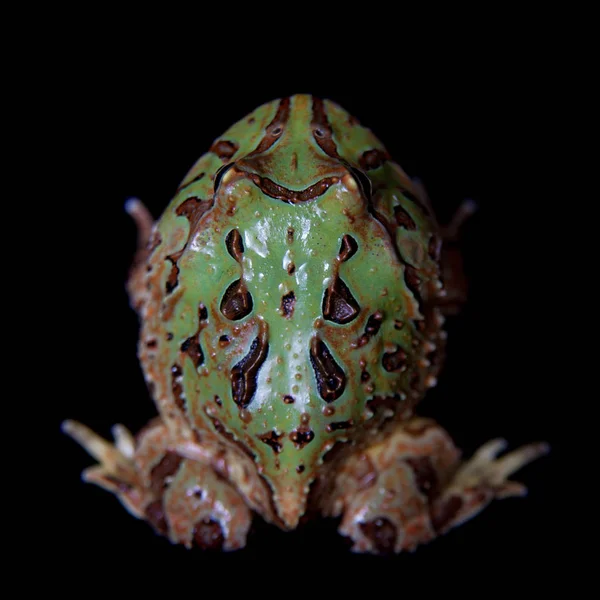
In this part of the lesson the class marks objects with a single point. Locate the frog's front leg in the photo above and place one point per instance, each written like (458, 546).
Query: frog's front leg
(411, 487)
(183, 499)
(136, 283)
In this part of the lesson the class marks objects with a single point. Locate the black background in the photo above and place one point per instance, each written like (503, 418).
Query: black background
(134, 128)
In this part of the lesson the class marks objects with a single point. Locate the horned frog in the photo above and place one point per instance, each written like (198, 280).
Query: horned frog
(292, 310)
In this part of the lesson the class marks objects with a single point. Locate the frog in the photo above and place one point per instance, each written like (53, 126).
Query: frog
(292, 300)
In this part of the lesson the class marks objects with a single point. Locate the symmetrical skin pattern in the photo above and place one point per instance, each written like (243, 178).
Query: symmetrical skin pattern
(291, 303)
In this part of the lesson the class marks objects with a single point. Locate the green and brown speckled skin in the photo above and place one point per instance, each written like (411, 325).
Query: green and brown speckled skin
(290, 300)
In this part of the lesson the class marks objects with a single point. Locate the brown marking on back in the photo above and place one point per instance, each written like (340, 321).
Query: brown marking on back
(288, 301)
(245, 416)
(245, 372)
(191, 346)
(301, 437)
(371, 329)
(235, 245)
(374, 323)
(348, 248)
(336, 425)
(202, 312)
(331, 380)
(173, 278)
(237, 301)
(339, 305)
(274, 190)
(192, 209)
(411, 276)
(272, 438)
(224, 149)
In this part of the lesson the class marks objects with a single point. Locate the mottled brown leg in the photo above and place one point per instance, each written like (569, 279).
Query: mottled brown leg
(411, 487)
(136, 284)
(183, 499)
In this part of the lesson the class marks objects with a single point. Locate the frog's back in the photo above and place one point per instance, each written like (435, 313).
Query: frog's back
(292, 276)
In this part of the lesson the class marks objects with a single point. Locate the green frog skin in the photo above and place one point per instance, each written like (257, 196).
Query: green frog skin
(292, 313)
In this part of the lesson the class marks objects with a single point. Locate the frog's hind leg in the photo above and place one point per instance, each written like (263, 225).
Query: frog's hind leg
(136, 284)
(183, 499)
(412, 487)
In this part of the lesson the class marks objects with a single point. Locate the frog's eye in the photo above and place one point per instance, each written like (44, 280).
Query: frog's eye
(219, 175)
(363, 182)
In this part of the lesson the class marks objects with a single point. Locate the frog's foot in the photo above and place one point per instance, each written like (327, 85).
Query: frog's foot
(481, 479)
(117, 471)
(183, 499)
(136, 284)
(409, 488)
